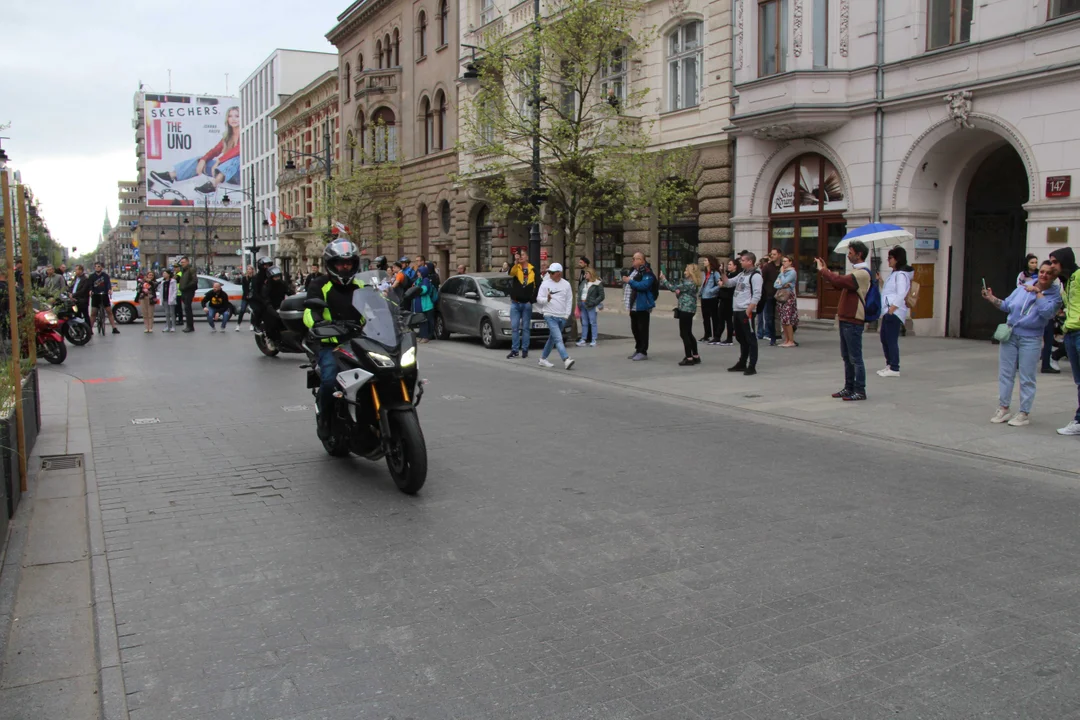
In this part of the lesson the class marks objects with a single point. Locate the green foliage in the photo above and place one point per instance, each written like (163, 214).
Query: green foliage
(595, 163)
(365, 193)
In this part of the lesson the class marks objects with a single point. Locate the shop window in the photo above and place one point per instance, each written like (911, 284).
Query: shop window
(772, 36)
(684, 60)
(948, 22)
(1063, 7)
(608, 253)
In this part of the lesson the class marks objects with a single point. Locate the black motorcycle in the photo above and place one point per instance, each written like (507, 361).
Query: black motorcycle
(374, 409)
(283, 331)
(73, 324)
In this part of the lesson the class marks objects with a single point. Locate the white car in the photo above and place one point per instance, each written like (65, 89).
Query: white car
(126, 310)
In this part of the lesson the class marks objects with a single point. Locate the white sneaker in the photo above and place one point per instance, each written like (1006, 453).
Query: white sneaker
(1020, 420)
(568, 363)
(580, 343)
(237, 328)
(1000, 416)
(889, 373)
(1073, 428)
(544, 363)
(592, 344)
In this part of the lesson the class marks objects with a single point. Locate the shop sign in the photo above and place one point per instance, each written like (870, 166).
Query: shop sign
(1059, 186)
(926, 238)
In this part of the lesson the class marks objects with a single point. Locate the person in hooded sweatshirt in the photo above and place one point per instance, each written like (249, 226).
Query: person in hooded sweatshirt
(1064, 261)
(1028, 312)
(894, 309)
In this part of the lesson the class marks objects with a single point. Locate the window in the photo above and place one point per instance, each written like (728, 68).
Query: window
(452, 286)
(444, 23)
(421, 35)
(1063, 7)
(348, 80)
(568, 97)
(360, 63)
(351, 149)
(444, 215)
(397, 50)
(684, 65)
(429, 126)
(389, 50)
(772, 36)
(379, 52)
(384, 135)
(948, 22)
(440, 127)
(821, 33)
(487, 11)
(613, 76)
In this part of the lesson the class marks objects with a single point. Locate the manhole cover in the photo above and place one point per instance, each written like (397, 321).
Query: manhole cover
(294, 408)
(61, 462)
(145, 421)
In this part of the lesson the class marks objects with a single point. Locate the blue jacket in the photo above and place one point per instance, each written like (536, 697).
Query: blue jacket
(1028, 314)
(645, 290)
(711, 287)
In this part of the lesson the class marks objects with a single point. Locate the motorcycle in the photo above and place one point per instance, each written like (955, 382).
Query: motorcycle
(374, 407)
(287, 334)
(73, 325)
(50, 343)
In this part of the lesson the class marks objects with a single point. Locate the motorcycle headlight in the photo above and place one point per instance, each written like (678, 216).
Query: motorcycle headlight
(504, 313)
(408, 357)
(74, 308)
(50, 317)
(381, 360)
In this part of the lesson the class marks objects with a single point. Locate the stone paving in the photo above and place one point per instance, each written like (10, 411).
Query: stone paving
(581, 550)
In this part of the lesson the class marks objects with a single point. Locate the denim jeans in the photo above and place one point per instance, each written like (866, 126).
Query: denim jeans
(170, 317)
(588, 322)
(1072, 350)
(766, 319)
(328, 378)
(1018, 353)
(851, 351)
(890, 340)
(555, 328)
(520, 325)
(223, 314)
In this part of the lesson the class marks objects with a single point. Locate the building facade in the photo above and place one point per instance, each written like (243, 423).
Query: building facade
(306, 122)
(398, 65)
(210, 237)
(281, 74)
(685, 72)
(953, 119)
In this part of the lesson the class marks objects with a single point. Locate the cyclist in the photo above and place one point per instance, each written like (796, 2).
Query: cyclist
(100, 297)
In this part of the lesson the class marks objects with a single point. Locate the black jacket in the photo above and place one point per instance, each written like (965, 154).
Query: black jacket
(188, 281)
(245, 283)
(313, 283)
(258, 282)
(80, 288)
(217, 300)
(273, 293)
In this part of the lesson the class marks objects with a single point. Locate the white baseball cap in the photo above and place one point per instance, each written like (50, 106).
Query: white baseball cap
(554, 268)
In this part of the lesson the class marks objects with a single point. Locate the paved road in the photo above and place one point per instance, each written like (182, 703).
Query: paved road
(580, 551)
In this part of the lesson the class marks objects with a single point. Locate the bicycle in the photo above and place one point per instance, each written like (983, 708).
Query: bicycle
(99, 320)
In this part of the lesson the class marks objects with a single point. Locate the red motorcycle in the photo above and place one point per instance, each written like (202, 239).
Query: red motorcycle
(50, 343)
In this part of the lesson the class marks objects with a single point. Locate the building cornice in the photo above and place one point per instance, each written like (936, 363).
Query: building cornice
(355, 16)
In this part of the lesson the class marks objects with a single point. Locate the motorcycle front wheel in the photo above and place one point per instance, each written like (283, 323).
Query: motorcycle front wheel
(55, 351)
(77, 333)
(407, 454)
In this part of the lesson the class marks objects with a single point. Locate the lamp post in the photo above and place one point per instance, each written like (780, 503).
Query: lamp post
(326, 162)
(250, 193)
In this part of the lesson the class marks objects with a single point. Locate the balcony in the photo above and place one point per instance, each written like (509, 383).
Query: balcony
(294, 224)
(799, 104)
(378, 82)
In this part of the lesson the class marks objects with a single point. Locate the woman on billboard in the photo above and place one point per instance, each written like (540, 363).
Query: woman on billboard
(221, 164)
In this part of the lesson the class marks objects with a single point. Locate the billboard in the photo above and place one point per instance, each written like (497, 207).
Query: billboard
(192, 148)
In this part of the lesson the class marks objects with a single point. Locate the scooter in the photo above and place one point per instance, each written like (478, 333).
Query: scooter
(73, 325)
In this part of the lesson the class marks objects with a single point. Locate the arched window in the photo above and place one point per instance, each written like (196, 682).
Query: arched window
(379, 52)
(361, 141)
(429, 125)
(440, 121)
(421, 35)
(444, 23)
(384, 135)
(351, 148)
(684, 61)
(348, 81)
(388, 48)
(360, 63)
(397, 49)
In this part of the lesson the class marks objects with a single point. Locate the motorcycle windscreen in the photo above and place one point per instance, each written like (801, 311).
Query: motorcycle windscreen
(381, 319)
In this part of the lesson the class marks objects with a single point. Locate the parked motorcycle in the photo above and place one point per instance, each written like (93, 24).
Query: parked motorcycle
(374, 410)
(50, 343)
(73, 325)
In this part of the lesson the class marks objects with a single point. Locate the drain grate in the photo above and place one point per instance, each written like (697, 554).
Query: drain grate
(145, 421)
(61, 462)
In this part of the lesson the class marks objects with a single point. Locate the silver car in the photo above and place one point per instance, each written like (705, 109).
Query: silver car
(479, 305)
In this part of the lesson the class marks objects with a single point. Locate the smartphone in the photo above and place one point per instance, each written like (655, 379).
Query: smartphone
(984, 284)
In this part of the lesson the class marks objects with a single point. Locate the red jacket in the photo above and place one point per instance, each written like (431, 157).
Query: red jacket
(229, 154)
(853, 289)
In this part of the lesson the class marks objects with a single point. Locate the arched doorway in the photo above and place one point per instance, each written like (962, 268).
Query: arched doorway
(995, 238)
(806, 221)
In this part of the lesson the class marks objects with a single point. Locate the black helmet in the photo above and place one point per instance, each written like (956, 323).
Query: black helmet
(380, 262)
(334, 253)
(263, 262)
(275, 273)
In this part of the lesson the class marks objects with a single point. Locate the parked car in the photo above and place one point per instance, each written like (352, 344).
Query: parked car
(479, 305)
(126, 310)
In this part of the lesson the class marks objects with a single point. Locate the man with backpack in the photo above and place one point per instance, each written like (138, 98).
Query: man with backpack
(644, 287)
(860, 303)
(747, 298)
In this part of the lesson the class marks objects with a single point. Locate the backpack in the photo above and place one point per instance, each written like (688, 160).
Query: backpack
(872, 302)
(912, 297)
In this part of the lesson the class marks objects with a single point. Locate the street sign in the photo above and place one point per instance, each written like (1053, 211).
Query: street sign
(1058, 186)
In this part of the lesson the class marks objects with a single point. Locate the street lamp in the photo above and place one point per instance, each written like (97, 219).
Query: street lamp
(250, 194)
(326, 163)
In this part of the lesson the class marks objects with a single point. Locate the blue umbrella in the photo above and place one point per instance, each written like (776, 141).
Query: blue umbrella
(874, 235)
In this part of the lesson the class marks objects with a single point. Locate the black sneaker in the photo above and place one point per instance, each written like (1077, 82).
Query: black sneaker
(841, 394)
(524, 354)
(686, 362)
(852, 397)
(750, 371)
(162, 178)
(188, 330)
(737, 367)
(207, 188)
(1051, 371)
(115, 331)
(705, 339)
(726, 343)
(513, 354)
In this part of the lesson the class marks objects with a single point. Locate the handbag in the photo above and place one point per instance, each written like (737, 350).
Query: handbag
(676, 314)
(783, 295)
(1003, 332)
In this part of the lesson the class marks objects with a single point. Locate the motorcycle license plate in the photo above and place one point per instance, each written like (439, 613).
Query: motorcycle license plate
(539, 326)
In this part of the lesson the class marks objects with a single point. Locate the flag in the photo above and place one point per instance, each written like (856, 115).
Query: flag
(285, 216)
(270, 217)
(341, 228)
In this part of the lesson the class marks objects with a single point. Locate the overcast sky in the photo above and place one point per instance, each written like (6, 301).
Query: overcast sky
(69, 70)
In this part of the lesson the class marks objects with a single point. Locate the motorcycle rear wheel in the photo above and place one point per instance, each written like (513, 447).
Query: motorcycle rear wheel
(55, 351)
(267, 347)
(407, 455)
(77, 333)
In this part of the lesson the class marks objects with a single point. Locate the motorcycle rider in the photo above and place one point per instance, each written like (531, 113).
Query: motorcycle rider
(258, 306)
(341, 262)
(100, 291)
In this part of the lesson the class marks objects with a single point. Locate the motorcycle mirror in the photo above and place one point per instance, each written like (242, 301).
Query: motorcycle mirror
(417, 320)
(314, 304)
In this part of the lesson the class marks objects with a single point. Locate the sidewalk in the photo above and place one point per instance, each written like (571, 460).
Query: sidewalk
(944, 398)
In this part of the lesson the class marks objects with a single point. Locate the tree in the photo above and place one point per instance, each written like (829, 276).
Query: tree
(594, 141)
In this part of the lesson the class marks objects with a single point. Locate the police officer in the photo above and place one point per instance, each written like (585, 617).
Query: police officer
(341, 262)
